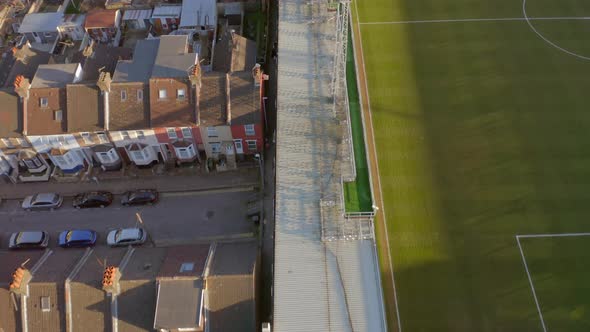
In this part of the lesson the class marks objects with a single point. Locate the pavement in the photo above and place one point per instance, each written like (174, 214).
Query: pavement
(240, 178)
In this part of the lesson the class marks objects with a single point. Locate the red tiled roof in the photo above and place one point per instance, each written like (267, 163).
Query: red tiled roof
(100, 19)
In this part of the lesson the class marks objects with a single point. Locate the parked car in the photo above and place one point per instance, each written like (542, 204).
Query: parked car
(46, 201)
(140, 197)
(28, 240)
(77, 238)
(126, 236)
(93, 199)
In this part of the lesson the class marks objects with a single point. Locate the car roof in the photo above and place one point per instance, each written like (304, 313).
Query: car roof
(30, 237)
(129, 233)
(80, 234)
(45, 197)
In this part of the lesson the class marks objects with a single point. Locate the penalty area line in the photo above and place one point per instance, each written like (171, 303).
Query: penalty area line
(531, 284)
(524, 236)
(466, 20)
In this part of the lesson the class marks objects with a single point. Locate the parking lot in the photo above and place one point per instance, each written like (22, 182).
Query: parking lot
(178, 218)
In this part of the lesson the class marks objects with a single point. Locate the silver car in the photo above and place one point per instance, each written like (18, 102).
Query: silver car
(28, 240)
(46, 201)
(126, 236)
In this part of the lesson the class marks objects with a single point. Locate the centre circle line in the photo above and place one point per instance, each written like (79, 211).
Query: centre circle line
(528, 21)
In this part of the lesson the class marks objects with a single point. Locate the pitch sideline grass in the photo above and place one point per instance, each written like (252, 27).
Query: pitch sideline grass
(481, 131)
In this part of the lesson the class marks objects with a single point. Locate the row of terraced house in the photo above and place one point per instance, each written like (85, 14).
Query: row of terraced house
(159, 106)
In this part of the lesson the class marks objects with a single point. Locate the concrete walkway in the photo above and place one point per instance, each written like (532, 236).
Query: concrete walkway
(165, 183)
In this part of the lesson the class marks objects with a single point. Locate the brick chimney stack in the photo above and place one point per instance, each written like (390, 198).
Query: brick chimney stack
(195, 78)
(104, 84)
(20, 280)
(110, 280)
(22, 86)
(228, 98)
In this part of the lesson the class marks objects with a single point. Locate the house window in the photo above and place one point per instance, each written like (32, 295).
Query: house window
(186, 132)
(60, 161)
(186, 153)
(126, 135)
(251, 145)
(171, 133)
(7, 143)
(43, 102)
(86, 137)
(211, 132)
(104, 157)
(137, 155)
(57, 115)
(102, 137)
(33, 163)
(239, 146)
(215, 147)
(185, 267)
(123, 95)
(139, 95)
(162, 94)
(45, 304)
(140, 134)
(23, 142)
(180, 94)
(249, 128)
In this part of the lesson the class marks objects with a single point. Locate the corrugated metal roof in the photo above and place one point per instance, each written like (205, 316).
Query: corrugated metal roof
(167, 11)
(198, 12)
(139, 14)
(41, 22)
(332, 286)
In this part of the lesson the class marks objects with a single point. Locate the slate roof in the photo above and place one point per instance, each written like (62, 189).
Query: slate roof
(169, 314)
(234, 53)
(231, 288)
(10, 114)
(90, 305)
(212, 99)
(173, 59)
(104, 57)
(27, 66)
(41, 22)
(54, 75)
(245, 99)
(176, 256)
(85, 108)
(138, 69)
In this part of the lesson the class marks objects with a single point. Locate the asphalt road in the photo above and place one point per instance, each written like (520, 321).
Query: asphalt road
(178, 218)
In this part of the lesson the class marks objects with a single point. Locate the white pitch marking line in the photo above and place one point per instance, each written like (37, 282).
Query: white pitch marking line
(499, 19)
(531, 283)
(370, 123)
(524, 236)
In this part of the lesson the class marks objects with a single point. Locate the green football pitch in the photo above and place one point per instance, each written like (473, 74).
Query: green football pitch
(482, 128)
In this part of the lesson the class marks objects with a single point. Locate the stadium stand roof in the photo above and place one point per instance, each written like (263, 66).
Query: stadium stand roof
(318, 286)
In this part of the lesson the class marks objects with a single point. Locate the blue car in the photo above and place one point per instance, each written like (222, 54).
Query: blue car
(77, 238)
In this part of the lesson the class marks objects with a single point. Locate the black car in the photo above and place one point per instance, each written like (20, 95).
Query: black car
(77, 238)
(139, 197)
(93, 199)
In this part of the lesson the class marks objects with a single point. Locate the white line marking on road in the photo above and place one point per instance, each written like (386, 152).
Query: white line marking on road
(531, 283)
(366, 80)
(497, 19)
(524, 236)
